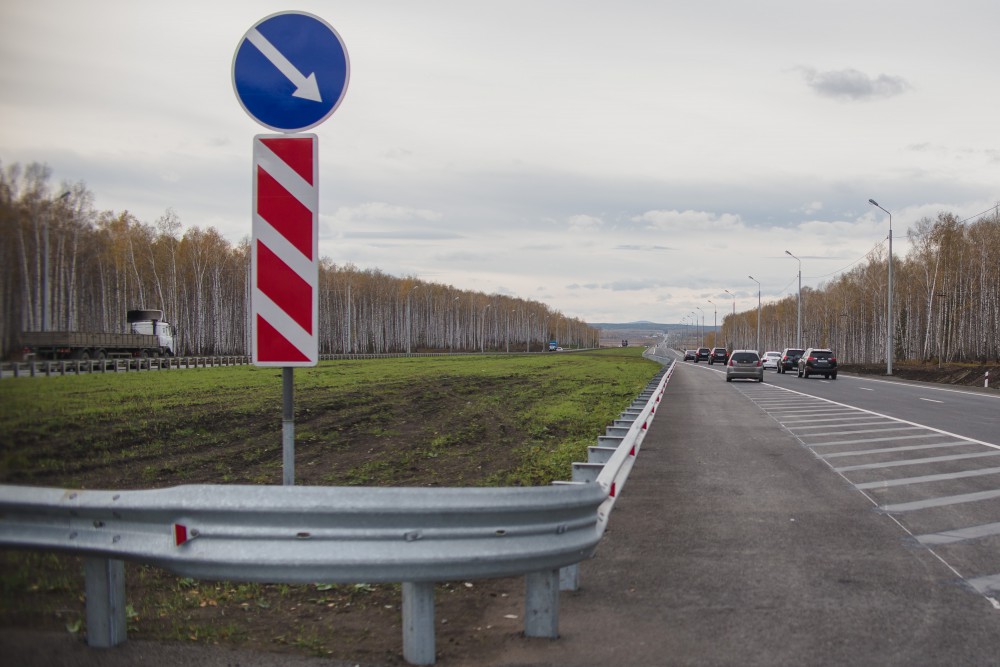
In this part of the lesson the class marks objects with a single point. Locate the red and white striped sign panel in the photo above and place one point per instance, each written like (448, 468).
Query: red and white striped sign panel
(284, 305)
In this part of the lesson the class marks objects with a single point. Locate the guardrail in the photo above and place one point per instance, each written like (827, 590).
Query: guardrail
(62, 367)
(280, 534)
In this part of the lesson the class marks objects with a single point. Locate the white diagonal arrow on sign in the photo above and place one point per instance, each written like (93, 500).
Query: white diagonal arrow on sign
(305, 86)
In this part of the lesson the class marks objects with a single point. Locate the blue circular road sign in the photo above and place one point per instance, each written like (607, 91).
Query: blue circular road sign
(290, 71)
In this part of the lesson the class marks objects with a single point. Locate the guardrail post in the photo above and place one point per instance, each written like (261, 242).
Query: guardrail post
(569, 578)
(418, 622)
(541, 604)
(104, 583)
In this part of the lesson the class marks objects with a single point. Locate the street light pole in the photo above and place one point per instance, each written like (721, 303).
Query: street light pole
(715, 324)
(798, 329)
(702, 326)
(734, 314)
(759, 349)
(890, 350)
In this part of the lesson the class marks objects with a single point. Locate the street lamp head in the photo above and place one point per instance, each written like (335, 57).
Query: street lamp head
(873, 202)
(789, 254)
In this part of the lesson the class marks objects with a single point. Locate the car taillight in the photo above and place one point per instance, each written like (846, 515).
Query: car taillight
(758, 363)
(811, 359)
(732, 362)
(833, 360)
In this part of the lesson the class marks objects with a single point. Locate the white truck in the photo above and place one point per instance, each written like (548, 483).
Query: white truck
(150, 337)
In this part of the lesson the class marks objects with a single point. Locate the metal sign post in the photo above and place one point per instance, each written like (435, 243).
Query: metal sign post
(290, 73)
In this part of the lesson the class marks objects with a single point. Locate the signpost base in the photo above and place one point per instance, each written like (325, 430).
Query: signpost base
(288, 426)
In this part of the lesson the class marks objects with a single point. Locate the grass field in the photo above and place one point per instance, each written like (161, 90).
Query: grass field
(415, 421)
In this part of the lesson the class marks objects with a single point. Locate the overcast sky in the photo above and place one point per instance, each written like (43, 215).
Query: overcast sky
(618, 161)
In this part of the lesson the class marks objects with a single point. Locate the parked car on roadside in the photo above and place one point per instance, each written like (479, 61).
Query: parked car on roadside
(789, 359)
(770, 360)
(690, 355)
(744, 364)
(719, 354)
(702, 354)
(818, 361)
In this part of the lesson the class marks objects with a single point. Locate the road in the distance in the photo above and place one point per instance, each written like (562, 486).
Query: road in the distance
(968, 412)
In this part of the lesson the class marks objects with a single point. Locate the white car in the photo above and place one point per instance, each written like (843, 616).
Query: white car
(771, 360)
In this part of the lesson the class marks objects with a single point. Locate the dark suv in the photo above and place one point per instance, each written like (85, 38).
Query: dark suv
(719, 354)
(703, 354)
(789, 360)
(818, 361)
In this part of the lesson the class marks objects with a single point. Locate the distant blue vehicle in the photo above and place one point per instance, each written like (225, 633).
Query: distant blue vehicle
(553, 345)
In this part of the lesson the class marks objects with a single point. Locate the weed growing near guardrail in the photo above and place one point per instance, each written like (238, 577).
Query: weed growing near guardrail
(417, 421)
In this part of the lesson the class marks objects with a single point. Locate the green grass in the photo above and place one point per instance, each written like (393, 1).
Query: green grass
(224, 425)
(427, 421)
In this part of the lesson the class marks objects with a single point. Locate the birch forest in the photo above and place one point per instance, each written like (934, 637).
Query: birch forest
(946, 302)
(68, 267)
(65, 266)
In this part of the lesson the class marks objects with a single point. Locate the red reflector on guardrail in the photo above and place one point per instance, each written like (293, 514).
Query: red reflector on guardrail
(632, 453)
(612, 494)
(180, 534)
(644, 425)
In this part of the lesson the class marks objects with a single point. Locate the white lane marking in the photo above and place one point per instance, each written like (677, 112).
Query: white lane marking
(983, 585)
(824, 419)
(895, 419)
(889, 450)
(915, 462)
(942, 477)
(930, 400)
(867, 430)
(866, 389)
(943, 501)
(864, 440)
(960, 534)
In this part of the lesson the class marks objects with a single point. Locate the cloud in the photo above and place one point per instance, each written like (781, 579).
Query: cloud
(643, 248)
(401, 235)
(380, 211)
(687, 221)
(850, 84)
(626, 285)
(579, 223)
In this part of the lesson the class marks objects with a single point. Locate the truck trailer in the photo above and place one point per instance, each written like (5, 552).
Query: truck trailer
(150, 337)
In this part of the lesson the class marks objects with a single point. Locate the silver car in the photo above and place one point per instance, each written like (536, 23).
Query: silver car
(744, 364)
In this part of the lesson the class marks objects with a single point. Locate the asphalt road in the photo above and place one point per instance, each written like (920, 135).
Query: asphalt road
(762, 525)
(738, 542)
(967, 411)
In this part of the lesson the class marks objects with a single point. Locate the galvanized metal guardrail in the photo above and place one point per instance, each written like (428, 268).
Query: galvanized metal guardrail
(278, 534)
(63, 367)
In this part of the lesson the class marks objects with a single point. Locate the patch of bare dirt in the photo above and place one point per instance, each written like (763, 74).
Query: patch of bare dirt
(413, 435)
